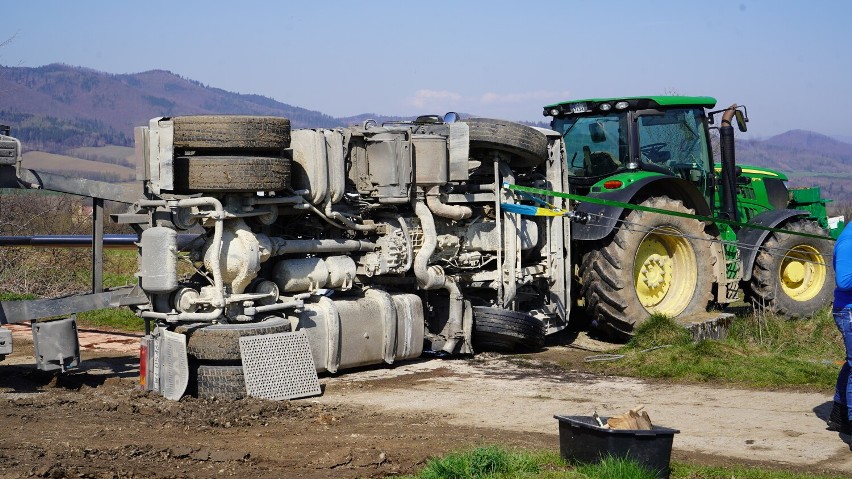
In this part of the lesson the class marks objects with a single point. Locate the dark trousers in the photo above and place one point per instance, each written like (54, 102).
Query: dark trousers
(843, 390)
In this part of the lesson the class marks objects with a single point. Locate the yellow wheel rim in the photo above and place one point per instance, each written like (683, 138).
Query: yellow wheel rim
(665, 272)
(802, 273)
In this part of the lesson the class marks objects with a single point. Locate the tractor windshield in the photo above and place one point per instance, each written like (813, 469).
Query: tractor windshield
(596, 145)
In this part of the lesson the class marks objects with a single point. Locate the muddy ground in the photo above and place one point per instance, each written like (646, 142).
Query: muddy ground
(95, 423)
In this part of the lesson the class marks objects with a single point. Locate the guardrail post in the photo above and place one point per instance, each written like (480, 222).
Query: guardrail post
(97, 245)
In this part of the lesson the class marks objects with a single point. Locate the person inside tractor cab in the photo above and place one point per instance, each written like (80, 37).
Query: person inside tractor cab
(596, 146)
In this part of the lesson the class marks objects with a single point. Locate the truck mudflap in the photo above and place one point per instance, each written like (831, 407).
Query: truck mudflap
(279, 366)
(163, 363)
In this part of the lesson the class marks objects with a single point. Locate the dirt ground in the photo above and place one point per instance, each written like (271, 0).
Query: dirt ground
(95, 423)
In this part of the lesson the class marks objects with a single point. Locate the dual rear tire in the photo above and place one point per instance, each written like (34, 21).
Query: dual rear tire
(230, 154)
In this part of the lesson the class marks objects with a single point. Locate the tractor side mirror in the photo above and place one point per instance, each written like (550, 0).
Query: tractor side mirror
(741, 120)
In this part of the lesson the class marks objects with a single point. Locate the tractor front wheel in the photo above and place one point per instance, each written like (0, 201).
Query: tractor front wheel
(792, 274)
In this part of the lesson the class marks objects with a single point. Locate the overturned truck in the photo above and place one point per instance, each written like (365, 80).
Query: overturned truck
(372, 240)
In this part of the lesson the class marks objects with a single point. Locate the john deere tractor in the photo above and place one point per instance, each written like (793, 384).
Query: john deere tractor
(701, 231)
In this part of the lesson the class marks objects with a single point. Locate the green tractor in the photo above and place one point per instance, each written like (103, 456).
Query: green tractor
(656, 152)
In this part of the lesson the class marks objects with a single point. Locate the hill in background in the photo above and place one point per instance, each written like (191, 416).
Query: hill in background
(808, 159)
(82, 113)
(56, 107)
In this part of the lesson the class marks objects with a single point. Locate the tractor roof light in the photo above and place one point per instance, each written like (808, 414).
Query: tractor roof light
(621, 105)
(554, 111)
(605, 107)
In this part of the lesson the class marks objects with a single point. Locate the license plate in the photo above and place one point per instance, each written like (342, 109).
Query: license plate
(578, 108)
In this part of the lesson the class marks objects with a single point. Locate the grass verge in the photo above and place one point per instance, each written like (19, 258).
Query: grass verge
(763, 351)
(497, 462)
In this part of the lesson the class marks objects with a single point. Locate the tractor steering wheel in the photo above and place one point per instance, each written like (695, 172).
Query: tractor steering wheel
(652, 151)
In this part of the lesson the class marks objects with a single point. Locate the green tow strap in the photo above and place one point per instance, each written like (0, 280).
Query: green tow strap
(601, 201)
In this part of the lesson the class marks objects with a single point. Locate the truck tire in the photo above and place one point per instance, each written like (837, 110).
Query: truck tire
(220, 382)
(221, 342)
(504, 331)
(793, 275)
(231, 132)
(652, 263)
(523, 141)
(230, 174)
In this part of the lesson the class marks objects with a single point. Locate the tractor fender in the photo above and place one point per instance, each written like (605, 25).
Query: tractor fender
(602, 219)
(750, 239)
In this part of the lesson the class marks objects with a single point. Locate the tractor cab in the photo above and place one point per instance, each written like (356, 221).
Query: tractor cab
(666, 135)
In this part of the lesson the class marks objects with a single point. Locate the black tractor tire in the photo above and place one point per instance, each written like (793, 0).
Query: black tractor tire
(231, 132)
(219, 382)
(653, 263)
(504, 331)
(529, 144)
(221, 342)
(793, 275)
(230, 174)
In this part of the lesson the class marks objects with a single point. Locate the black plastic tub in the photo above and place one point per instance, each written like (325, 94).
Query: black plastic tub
(582, 440)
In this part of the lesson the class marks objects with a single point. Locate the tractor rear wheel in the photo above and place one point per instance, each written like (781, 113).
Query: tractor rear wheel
(792, 274)
(653, 263)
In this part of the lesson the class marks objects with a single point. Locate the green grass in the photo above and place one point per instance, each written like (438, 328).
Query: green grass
(119, 269)
(121, 319)
(6, 296)
(615, 468)
(692, 471)
(760, 351)
(482, 462)
(497, 462)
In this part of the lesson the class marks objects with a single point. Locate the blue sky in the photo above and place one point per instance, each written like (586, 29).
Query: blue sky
(789, 62)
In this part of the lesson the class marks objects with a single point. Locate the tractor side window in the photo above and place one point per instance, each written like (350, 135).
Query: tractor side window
(595, 145)
(674, 138)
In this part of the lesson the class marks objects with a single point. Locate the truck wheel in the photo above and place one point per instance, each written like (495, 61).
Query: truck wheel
(231, 132)
(504, 331)
(793, 275)
(653, 263)
(230, 174)
(524, 141)
(220, 382)
(221, 342)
